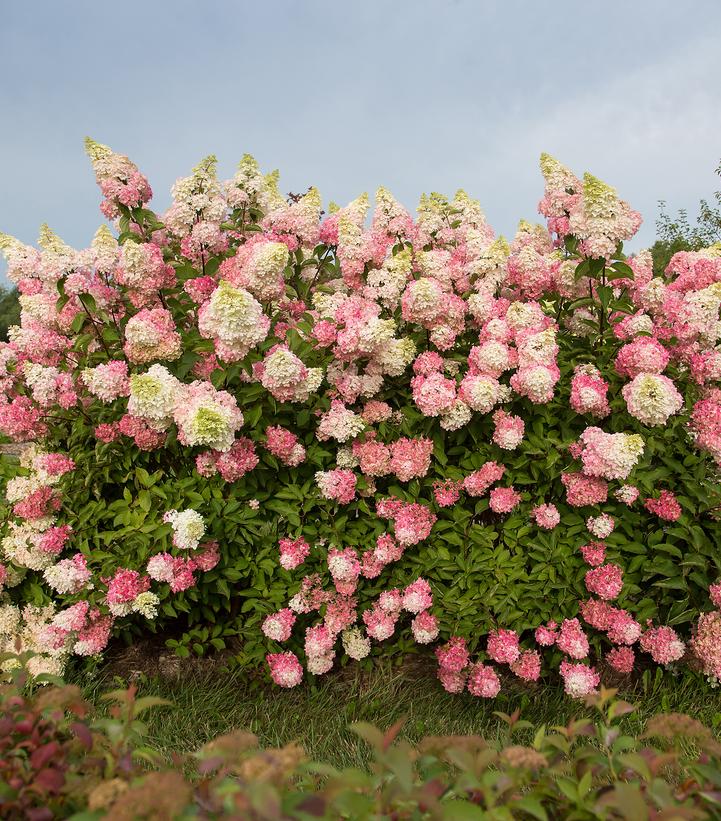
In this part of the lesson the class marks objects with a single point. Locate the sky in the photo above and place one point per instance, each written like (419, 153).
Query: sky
(425, 95)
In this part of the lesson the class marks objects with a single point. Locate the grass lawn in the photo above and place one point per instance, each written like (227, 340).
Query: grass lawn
(317, 715)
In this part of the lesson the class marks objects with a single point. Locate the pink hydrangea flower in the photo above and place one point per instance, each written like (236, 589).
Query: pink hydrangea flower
(503, 646)
(411, 458)
(375, 411)
(627, 494)
(605, 581)
(425, 627)
(663, 644)
(478, 482)
(417, 596)
(610, 455)
(446, 492)
(337, 485)
(594, 553)
(38, 504)
(508, 431)
(705, 643)
(546, 635)
(413, 524)
(666, 507)
(380, 624)
(284, 445)
(54, 539)
(504, 499)
(622, 628)
(643, 355)
(588, 392)
(293, 552)
(106, 433)
(572, 640)
(391, 601)
(278, 626)
(433, 394)
(601, 526)
(93, 638)
(453, 656)
(528, 665)
(483, 681)
(124, 588)
(285, 669)
(579, 679)
(453, 681)
(319, 640)
(546, 516)
(621, 659)
(344, 567)
(582, 490)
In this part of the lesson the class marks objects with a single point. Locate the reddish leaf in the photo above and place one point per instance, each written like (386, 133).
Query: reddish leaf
(42, 755)
(83, 734)
(49, 780)
(390, 734)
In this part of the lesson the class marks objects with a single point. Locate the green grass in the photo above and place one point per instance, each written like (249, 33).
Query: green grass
(318, 715)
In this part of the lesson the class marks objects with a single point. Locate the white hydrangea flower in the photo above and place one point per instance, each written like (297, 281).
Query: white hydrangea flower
(188, 528)
(355, 643)
(153, 396)
(146, 604)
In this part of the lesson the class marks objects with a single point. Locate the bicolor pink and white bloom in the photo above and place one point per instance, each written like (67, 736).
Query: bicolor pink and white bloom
(663, 644)
(453, 656)
(337, 485)
(579, 679)
(417, 596)
(652, 398)
(293, 552)
(622, 659)
(503, 646)
(528, 665)
(546, 516)
(589, 392)
(188, 528)
(601, 526)
(483, 681)
(285, 669)
(509, 429)
(572, 640)
(610, 455)
(279, 626)
(425, 627)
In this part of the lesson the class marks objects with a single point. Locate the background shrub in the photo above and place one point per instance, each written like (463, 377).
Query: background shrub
(237, 290)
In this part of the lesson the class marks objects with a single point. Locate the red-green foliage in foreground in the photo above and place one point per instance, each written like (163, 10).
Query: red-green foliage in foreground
(58, 759)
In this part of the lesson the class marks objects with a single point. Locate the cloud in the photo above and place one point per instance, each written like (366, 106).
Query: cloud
(417, 96)
(653, 133)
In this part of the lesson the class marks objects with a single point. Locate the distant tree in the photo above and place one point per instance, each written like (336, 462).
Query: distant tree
(9, 310)
(677, 233)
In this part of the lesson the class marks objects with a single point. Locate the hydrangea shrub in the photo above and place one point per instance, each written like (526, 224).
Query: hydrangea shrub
(336, 435)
